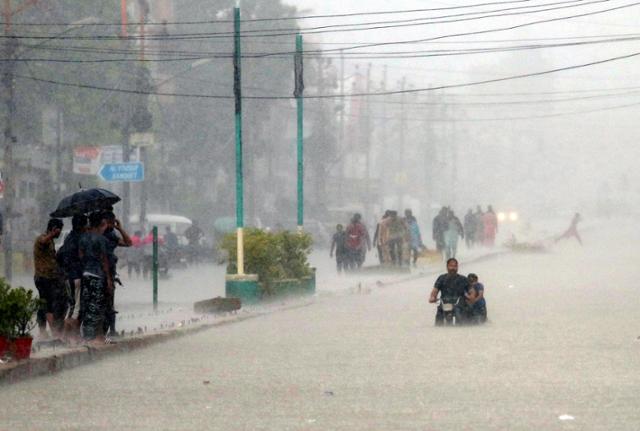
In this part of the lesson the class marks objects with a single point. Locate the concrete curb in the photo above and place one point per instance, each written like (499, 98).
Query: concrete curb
(22, 370)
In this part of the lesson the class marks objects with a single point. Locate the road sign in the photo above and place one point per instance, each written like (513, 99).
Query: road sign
(141, 139)
(89, 160)
(122, 172)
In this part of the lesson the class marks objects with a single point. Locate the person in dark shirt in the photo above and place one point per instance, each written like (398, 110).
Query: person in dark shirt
(338, 244)
(116, 237)
(49, 281)
(172, 245)
(456, 289)
(478, 303)
(170, 239)
(194, 235)
(97, 282)
(69, 259)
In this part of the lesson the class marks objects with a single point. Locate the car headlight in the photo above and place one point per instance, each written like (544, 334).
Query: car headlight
(513, 216)
(502, 216)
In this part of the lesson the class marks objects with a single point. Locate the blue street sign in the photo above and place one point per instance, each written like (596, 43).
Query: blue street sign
(122, 172)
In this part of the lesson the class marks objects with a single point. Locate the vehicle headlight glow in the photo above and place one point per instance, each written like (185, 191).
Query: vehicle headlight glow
(502, 216)
(513, 216)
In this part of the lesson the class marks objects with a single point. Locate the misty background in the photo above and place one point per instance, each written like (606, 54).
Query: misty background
(545, 145)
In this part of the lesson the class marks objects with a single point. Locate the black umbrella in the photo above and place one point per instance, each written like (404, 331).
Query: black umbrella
(85, 201)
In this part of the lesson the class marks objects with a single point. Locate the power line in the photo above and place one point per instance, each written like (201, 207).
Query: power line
(512, 102)
(415, 21)
(492, 119)
(289, 43)
(474, 33)
(206, 54)
(359, 56)
(331, 96)
(342, 15)
(442, 98)
(245, 34)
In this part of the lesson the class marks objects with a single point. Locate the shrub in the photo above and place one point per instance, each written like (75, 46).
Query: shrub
(272, 256)
(294, 250)
(6, 322)
(19, 307)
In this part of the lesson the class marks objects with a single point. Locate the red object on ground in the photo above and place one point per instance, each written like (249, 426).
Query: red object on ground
(4, 344)
(21, 348)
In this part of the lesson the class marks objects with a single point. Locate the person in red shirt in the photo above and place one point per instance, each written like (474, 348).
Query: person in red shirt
(490, 222)
(358, 242)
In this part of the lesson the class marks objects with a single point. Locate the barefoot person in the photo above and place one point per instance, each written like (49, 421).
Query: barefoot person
(97, 283)
(49, 281)
(69, 258)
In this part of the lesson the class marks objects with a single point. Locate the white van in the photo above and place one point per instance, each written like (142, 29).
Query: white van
(178, 224)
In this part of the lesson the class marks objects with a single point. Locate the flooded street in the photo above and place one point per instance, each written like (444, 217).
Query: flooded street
(291, 178)
(562, 342)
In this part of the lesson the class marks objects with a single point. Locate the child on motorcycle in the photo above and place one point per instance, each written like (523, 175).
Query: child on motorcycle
(477, 303)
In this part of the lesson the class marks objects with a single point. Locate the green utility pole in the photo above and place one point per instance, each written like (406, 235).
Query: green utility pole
(237, 91)
(298, 93)
(155, 268)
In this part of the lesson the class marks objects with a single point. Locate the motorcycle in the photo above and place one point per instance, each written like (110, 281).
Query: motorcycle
(448, 311)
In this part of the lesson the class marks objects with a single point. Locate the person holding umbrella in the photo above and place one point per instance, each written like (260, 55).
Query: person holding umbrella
(97, 282)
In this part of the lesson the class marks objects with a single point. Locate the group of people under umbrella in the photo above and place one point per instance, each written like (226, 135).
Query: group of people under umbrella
(77, 282)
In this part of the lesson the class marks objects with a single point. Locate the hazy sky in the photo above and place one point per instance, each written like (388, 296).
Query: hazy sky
(576, 154)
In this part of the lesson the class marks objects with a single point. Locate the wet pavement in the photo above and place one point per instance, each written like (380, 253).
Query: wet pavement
(561, 352)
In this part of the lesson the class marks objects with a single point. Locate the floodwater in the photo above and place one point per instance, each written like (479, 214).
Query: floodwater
(561, 352)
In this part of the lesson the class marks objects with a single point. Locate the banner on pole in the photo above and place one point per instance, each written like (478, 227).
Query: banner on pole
(298, 69)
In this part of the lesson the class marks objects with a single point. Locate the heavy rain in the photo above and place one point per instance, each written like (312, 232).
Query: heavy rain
(331, 215)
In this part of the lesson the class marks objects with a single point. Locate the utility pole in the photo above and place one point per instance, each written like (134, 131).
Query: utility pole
(454, 162)
(126, 149)
(367, 123)
(9, 141)
(143, 150)
(429, 159)
(59, 145)
(341, 146)
(237, 90)
(383, 131)
(299, 91)
(401, 175)
(8, 81)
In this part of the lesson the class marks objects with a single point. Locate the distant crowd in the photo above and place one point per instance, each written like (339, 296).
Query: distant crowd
(479, 228)
(398, 240)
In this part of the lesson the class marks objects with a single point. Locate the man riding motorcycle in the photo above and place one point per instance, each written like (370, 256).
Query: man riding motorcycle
(454, 290)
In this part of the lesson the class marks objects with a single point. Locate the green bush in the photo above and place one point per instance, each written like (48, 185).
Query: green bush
(17, 309)
(272, 256)
(295, 248)
(6, 322)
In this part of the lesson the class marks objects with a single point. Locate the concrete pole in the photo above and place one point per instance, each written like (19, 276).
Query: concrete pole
(9, 140)
(237, 62)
